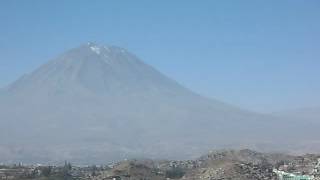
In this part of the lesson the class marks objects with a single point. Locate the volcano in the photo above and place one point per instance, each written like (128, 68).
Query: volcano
(95, 104)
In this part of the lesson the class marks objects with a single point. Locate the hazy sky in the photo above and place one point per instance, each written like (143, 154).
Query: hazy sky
(260, 55)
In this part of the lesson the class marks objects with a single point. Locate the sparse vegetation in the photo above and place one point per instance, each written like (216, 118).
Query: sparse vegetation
(175, 173)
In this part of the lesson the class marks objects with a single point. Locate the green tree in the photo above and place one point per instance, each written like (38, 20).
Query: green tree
(46, 171)
(175, 173)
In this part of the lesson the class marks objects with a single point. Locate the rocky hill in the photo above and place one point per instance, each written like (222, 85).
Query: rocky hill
(223, 164)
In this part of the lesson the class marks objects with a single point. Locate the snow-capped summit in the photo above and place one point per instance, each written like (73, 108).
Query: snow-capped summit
(106, 49)
(96, 69)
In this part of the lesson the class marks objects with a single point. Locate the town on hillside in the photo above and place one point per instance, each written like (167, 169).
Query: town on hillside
(217, 165)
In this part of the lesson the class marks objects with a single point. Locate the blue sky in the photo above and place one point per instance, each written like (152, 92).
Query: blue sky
(260, 55)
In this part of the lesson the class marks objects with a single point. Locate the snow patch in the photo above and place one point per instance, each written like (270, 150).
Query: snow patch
(95, 49)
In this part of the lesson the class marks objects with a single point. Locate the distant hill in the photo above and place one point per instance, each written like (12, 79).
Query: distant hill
(95, 103)
(242, 164)
(311, 115)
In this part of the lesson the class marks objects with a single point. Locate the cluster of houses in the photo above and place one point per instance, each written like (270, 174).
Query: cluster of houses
(290, 176)
(314, 175)
(14, 171)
